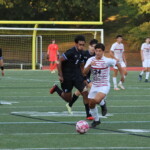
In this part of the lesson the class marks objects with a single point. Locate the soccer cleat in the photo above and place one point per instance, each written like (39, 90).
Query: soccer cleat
(146, 80)
(53, 71)
(121, 86)
(140, 77)
(2, 73)
(90, 118)
(104, 109)
(95, 123)
(53, 89)
(69, 109)
(116, 89)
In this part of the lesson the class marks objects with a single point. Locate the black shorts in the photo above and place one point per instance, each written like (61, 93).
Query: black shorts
(68, 85)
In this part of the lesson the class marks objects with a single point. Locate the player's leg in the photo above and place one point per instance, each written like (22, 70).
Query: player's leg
(77, 94)
(141, 74)
(50, 66)
(120, 84)
(97, 95)
(80, 85)
(123, 65)
(143, 71)
(103, 107)
(93, 108)
(73, 100)
(147, 74)
(65, 92)
(115, 72)
(53, 66)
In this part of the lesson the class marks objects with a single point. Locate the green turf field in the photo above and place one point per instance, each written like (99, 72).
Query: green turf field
(30, 118)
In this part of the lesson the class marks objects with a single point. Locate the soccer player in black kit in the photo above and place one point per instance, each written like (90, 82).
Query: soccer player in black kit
(70, 67)
(1, 62)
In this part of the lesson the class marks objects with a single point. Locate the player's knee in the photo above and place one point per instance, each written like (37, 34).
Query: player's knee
(92, 104)
(77, 93)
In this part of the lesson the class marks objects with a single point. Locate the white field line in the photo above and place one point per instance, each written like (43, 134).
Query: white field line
(83, 148)
(66, 122)
(145, 106)
(55, 114)
(26, 134)
(36, 80)
(136, 130)
(6, 114)
(58, 96)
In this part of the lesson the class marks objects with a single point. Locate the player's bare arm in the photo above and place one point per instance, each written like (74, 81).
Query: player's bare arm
(121, 72)
(59, 66)
(112, 55)
(142, 58)
(87, 69)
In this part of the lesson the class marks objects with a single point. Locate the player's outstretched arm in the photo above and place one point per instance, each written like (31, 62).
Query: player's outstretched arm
(121, 71)
(142, 58)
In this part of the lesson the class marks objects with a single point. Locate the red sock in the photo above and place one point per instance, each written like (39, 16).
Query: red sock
(54, 66)
(51, 67)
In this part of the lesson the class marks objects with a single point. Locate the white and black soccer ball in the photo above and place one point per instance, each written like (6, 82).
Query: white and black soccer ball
(82, 126)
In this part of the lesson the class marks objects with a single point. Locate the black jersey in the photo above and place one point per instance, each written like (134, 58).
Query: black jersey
(86, 55)
(71, 67)
(0, 52)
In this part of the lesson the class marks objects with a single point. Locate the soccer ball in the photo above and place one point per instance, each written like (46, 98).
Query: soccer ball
(82, 126)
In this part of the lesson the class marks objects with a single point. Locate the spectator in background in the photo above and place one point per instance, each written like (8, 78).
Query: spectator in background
(52, 56)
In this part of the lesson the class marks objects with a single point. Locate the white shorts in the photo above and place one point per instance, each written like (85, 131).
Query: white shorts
(122, 63)
(94, 90)
(146, 63)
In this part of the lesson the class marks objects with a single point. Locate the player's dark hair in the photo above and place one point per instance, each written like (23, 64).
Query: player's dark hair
(147, 38)
(118, 36)
(94, 41)
(79, 38)
(100, 45)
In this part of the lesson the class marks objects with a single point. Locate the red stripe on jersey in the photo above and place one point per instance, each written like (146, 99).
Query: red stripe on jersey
(99, 68)
(118, 49)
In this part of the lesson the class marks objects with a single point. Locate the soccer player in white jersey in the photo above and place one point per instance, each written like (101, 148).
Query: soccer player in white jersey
(145, 57)
(117, 52)
(100, 68)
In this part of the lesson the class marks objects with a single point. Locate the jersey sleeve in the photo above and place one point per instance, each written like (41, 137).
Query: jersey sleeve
(142, 47)
(88, 63)
(68, 55)
(112, 62)
(112, 47)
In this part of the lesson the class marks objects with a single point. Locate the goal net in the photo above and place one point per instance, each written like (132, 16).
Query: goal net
(17, 44)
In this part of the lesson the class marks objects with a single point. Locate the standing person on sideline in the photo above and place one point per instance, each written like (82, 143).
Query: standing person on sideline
(1, 62)
(117, 52)
(52, 55)
(70, 67)
(145, 57)
(100, 68)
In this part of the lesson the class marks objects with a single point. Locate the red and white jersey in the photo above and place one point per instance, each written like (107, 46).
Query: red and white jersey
(146, 51)
(118, 50)
(100, 70)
